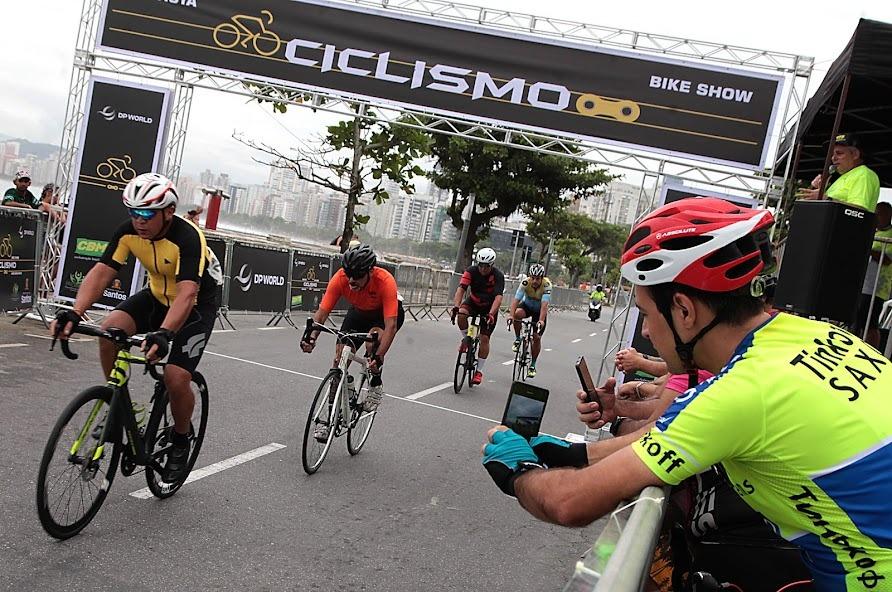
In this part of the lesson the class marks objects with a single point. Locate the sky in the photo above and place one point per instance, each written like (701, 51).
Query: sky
(36, 71)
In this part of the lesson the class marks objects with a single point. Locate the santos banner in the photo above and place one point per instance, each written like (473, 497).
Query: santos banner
(258, 279)
(121, 138)
(309, 279)
(621, 97)
(18, 247)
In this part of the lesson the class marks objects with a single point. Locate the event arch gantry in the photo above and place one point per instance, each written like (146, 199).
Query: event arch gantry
(765, 181)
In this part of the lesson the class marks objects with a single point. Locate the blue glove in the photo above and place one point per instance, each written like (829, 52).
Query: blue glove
(555, 452)
(507, 457)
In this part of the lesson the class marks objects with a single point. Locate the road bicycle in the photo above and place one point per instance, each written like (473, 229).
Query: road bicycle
(85, 446)
(522, 356)
(466, 363)
(337, 405)
(265, 42)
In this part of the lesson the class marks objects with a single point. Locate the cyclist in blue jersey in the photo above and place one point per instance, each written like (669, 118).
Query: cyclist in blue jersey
(531, 302)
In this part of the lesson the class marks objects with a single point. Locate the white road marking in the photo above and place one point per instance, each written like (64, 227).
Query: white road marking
(576, 341)
(605, 330)
(508, 363)
(428, 391)
(50, 338)
(13, 345)
(547, 349)
(398, 398)
(209, 470)
(592, 334)
(269, 328)
(223, 331)
(263, 365)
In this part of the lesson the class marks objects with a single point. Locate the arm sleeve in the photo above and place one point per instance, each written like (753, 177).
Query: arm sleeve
(333, 291)
(389, 298)
(117, 252)
(465, 280)
(190, 266)
(705, 425)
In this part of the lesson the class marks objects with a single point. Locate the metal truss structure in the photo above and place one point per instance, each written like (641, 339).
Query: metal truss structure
(767, 184)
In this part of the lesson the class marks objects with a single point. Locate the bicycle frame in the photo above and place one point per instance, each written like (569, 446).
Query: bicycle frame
(120, 406)
(342, 401)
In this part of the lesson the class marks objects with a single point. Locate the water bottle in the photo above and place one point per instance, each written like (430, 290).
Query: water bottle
(351, 388)
(139, 412)
(472, 331)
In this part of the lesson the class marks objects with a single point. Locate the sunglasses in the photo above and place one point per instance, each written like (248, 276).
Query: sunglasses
(484, 265)
(24, 180)
(142, 213)
(355, 276)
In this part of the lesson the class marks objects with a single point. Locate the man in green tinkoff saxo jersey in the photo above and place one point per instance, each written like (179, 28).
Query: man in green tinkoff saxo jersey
(797, 412)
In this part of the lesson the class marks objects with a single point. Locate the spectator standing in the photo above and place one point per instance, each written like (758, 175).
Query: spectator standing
(20, 196)
(194, 215)
(857, 184)
(49, 198)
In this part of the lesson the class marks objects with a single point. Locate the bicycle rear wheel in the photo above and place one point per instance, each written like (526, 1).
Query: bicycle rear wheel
(360, 422)
(471, 363)
(322, 413)
(458, 378)
(76, 470)
(159, 432)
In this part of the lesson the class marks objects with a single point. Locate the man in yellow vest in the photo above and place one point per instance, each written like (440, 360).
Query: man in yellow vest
(857, 184)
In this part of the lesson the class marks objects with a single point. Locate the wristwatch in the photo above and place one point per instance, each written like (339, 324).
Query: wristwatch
(614, 427)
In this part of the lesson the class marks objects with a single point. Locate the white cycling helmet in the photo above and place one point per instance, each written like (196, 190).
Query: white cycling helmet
(150, 191)
(486, 255)
(22, 174)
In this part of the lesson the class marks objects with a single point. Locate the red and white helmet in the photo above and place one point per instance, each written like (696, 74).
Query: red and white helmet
(702, 242)
(150, 191)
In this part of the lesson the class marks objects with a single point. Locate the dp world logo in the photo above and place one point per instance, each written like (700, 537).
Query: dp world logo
(108, 113)
(245, 278)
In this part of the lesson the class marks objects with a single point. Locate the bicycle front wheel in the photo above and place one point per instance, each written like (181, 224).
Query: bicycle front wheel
(323, 414)
(458, 379)
(159, 432)
(77, 470)
(360, 423)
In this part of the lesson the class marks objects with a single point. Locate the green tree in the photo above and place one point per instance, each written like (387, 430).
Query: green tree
(355, 157)
(504, 180)
(569, 251)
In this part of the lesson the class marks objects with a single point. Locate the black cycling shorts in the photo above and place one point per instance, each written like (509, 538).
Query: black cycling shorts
(482, 311)
(190, 341)
(363, 321)
(533, 315)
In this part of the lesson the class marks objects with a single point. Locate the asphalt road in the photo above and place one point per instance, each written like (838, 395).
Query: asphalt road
(413, 511)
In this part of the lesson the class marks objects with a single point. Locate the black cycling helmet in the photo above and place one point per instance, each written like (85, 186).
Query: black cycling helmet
(358, 261)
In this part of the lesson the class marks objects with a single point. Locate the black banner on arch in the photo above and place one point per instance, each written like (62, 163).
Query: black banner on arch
(668, 105)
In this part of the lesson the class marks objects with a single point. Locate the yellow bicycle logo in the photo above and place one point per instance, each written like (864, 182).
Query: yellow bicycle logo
(117, 168)
(6, 247)
(265, 42)
(311, 274)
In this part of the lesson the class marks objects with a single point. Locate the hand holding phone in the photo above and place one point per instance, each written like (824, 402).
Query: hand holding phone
(525, 408)
(585, 379)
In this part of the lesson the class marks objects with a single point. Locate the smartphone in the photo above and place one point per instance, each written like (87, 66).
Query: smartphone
(525, 408)
(585, 379)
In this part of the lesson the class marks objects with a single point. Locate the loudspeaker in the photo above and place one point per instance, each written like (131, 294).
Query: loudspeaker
(825, 260)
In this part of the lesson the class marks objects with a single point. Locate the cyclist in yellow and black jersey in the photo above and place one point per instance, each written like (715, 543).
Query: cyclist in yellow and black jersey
(177, 310)
(531, 301)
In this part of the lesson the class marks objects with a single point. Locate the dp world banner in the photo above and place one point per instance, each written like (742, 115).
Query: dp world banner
(659, 104)
(259, 279)
(120, 138)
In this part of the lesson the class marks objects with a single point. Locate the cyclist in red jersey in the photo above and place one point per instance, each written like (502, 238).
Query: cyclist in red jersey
(376, 308)
(479, 293)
